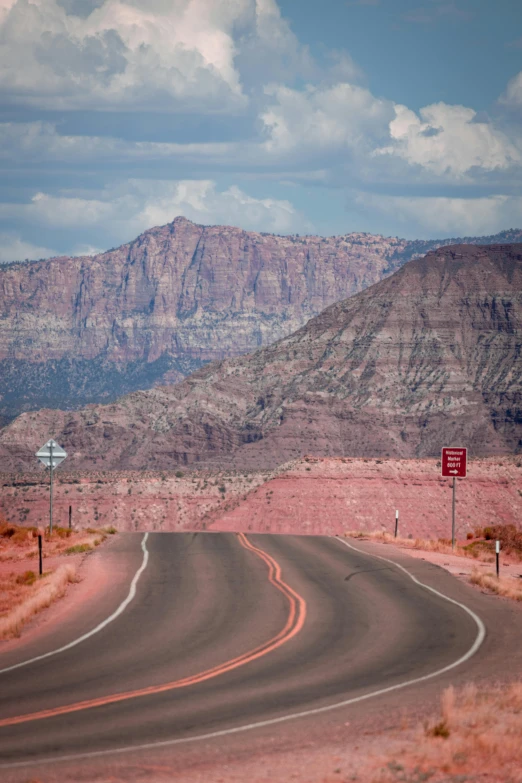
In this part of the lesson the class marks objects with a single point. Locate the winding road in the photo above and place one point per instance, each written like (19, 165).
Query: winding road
(216, 634)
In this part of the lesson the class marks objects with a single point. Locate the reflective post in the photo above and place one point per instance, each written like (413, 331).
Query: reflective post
(40, 552)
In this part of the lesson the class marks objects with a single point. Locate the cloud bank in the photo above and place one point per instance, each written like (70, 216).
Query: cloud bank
(79, 77)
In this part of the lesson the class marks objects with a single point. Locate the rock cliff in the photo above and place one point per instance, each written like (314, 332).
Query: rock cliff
(79, 330)
(430, 356)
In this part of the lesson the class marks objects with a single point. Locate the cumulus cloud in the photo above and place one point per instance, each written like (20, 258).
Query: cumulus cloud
(341, 116)
(288, 119)
(13, 248)
(445, 216)
(163, 55)
(136, 205)
(446, 140)
(122, 53)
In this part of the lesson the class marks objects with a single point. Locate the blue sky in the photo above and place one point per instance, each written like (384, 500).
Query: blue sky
(399, 117)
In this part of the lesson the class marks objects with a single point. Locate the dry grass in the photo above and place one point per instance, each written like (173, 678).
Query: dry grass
(505, 586)
(19, 543)
(477, 736)
(484, 553)
(22, 592)
(42, 594)
(481, 550)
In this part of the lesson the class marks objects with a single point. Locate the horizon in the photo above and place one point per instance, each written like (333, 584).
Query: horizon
(17, 261)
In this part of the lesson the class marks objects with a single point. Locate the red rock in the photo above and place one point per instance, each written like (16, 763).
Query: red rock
(79, 330)
(428, 357)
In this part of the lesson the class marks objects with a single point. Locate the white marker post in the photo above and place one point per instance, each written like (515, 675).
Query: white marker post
(497, 554)
(52, 455)
(396, 522)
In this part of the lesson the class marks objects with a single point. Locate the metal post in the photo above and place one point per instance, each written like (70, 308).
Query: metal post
(497, 554)
(40, 552)
(70, 517)
(453, 514)
(51, 493)
(396, 523)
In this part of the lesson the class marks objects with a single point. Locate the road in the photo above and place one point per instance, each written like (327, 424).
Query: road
(226, 631)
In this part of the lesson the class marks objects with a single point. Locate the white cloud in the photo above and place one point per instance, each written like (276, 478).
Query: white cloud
(513, 93)
(201, 202)
(137, 205)
(342, 116)
(123, 54)
(445, 140)
(444, 216)
(40, 142)
(85, 249)
(13, 248)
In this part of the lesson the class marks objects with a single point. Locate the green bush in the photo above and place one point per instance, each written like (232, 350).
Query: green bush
(78, 549)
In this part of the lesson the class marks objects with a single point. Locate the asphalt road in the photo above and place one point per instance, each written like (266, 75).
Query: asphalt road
(226, 631)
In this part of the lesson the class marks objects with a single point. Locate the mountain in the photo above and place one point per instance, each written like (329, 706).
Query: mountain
(430, 356)
(89, 329)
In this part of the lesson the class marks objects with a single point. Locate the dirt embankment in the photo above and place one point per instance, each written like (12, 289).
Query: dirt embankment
(310, 496)
(332, 496)
(129, 501)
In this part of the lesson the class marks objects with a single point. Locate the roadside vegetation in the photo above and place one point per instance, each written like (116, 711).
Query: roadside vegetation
(476, 736)
(504, 586)
(23, 592)
(480, 544)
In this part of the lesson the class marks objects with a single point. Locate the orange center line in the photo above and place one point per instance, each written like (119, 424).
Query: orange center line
(293, 625)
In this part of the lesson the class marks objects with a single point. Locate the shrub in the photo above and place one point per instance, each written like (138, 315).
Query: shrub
(179, 474)
(440, 729)
(509, 536)
(27, 578)
(21, 535)
(78, 549)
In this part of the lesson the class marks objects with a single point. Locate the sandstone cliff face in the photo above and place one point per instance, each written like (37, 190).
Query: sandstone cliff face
(77, 330)
(430, 356)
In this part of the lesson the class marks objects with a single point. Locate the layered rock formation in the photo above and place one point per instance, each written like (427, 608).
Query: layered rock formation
(430, 356)
(78, 330)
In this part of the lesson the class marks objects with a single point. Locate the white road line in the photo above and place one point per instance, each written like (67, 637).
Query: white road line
(481, 635)
(121, 608)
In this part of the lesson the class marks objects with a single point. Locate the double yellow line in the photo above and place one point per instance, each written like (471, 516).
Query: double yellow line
(294, 623)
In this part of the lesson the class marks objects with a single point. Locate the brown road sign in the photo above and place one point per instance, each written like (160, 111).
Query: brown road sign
(454, 462)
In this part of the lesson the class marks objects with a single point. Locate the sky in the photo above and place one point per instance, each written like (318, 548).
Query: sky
(393, 117)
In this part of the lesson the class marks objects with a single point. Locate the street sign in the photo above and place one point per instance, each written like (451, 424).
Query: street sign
(454, 462)
(51, 448)
(52, 455)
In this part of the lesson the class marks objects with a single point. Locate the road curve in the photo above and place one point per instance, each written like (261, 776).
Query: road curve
(225, 631)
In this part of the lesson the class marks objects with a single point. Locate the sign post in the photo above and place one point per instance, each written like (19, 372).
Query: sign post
(454, 465)
(51, 455)
(396, 523)
(497, 555)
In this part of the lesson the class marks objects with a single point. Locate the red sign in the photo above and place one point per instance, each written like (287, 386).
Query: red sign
(454, 462)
